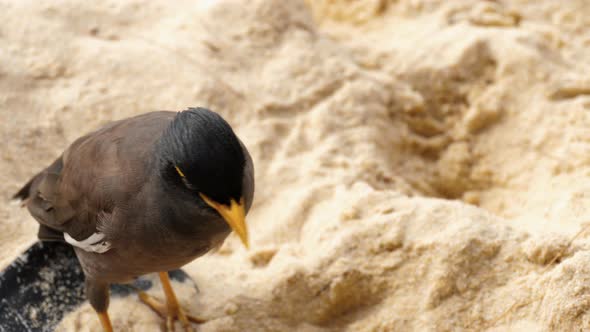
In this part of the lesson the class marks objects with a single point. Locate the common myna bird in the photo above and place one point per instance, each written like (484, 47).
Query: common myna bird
(145, 194)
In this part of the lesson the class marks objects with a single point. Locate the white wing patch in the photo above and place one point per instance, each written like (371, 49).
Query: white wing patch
(94, 243)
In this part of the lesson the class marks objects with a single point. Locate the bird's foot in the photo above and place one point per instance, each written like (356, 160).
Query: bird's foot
(170, 312)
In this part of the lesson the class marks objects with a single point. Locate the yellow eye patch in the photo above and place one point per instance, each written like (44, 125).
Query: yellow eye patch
(179, 171)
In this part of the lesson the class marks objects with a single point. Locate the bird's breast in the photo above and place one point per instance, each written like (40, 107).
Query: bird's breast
(148, 252)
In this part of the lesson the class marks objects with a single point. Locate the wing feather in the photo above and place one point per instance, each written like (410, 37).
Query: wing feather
(98, 173)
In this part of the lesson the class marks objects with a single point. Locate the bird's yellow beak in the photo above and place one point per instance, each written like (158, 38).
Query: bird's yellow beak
(234, 215)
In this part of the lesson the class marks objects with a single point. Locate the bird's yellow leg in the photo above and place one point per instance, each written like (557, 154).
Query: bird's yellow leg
(105, 321)
(172, 310)
(172, 303)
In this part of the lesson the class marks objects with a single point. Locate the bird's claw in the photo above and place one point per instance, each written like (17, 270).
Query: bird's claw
(170, 314)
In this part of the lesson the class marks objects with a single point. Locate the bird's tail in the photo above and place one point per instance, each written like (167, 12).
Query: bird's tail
(24, 192)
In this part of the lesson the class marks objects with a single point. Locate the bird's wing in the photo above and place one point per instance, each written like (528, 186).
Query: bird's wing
(96, 175)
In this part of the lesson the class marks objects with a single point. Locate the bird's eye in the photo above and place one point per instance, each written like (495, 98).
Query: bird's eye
(179, 172)
(183, 178)
(187, 184)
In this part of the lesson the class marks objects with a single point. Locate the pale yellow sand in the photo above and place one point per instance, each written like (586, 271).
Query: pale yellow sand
(418, 163)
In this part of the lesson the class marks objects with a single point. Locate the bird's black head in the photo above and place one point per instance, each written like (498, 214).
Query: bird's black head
(200, 153)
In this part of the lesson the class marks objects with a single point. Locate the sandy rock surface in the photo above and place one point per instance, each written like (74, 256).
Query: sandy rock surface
(420, 165)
